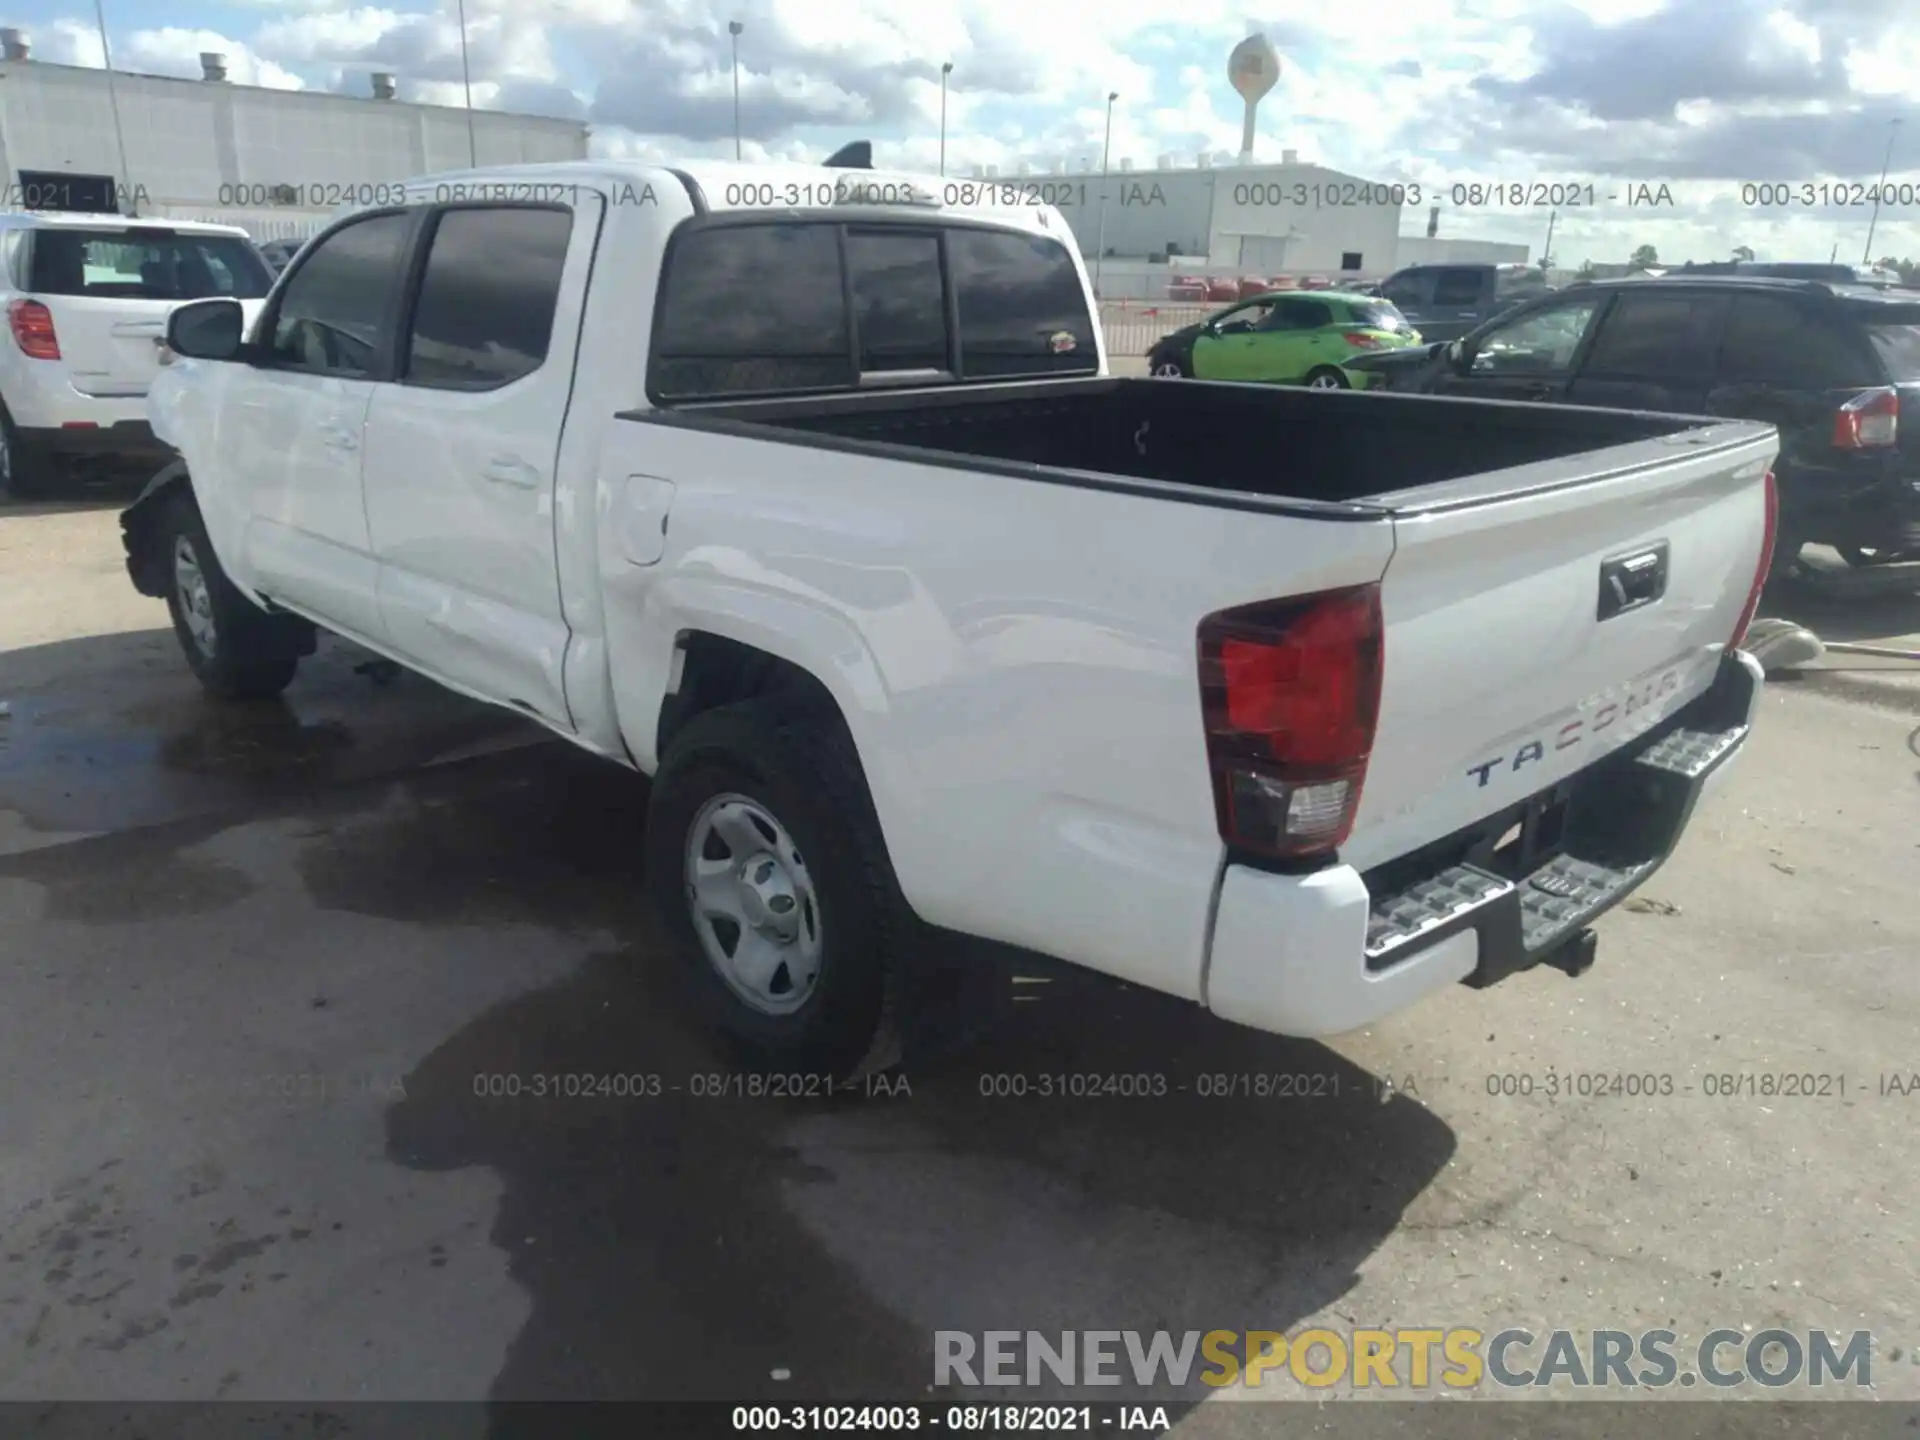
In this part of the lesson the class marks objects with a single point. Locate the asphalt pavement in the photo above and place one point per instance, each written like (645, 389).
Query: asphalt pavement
(278, 984)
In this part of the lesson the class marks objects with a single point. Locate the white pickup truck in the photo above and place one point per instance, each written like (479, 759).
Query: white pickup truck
(807, 493)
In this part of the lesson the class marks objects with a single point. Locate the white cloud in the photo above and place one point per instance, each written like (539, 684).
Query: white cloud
(168, 51)
(1512, 90)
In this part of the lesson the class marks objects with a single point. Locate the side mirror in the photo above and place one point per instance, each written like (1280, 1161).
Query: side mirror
(1459, 357)
(207, 330)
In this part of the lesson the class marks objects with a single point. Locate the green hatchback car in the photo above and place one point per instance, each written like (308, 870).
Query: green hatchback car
(1287, 337)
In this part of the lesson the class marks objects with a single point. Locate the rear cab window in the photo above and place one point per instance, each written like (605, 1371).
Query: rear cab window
(787, 307)
(144, 263)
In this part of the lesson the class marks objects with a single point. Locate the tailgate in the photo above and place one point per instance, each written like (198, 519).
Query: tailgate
(111, 347)
(1501, 675)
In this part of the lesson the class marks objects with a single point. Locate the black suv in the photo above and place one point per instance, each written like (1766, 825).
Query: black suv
(1832, 365)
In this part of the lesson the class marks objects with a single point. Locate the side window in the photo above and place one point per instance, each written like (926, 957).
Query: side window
(1303, 314)
(1023, 310)
(1541, 343)
(899, 301)
(336, 309)
(1457, 289)
(1773, 342)
(1406, 291)
(1649, 334)
(485, 313)
(752, 309)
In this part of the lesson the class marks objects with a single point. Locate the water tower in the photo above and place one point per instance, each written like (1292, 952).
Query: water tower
(1253, 69)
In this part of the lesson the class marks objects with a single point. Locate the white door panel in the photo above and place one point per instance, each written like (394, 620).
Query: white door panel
(459, 479)
(296, 446)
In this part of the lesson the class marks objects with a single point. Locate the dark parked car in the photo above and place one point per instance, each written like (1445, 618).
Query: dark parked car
(1831, 365)
(1444, 302)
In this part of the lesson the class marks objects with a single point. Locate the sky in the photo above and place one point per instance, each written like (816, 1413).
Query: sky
(1708, 98)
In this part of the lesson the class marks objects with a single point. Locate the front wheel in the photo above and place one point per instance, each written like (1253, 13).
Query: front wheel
(1327, 377)
(767, 866)
(236, 649)
(1169, 367)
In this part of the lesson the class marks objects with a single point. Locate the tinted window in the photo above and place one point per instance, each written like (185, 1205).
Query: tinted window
(749, 309)
(1258, 316)
(337, 307)
(1403, 290)
(1897, 339)
(1302, 314)
(899, 302)
(147, 265)
(1647, 334)
(485, 313)
(1774, 342)
(1022, 308)
(1458, 288)
(1541, 343)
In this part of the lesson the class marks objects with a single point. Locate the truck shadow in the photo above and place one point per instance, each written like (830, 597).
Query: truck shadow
(683, 1238)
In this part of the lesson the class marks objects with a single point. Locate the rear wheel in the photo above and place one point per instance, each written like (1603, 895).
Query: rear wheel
(1327, 377)
(25, 473)
(238, 650)
(766, 863)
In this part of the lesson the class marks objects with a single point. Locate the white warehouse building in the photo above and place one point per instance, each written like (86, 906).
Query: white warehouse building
(1246, 217)
(278, 162)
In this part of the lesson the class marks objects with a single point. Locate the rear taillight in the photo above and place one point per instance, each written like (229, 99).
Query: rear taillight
(1869, 421)
(1361, 340)
(1768, 535)
(1290, 693)
(32, 326)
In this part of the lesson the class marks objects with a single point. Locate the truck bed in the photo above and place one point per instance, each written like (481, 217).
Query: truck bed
(1278, 443)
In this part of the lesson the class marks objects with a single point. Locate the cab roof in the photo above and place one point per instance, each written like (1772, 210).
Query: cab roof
(732, 186)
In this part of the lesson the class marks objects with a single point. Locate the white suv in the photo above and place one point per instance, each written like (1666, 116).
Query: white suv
(87, 299)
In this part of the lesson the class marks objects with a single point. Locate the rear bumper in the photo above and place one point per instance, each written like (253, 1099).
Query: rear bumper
(52, 418)
(1883, 517)
(133, 439)
(1333, 950)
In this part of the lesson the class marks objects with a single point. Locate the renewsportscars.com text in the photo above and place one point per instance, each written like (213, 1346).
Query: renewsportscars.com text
(1454, 1359)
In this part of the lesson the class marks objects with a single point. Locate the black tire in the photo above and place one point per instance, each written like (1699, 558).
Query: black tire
(793, 759)
(1863, 557)
(26, 473)
(1170, 366)
(1327, 377)
(1785, 567)
(249, 655)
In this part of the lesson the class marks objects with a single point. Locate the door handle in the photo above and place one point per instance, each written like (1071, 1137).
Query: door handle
(510, 471)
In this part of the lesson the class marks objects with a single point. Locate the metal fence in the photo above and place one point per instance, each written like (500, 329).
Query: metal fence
(1132, 326)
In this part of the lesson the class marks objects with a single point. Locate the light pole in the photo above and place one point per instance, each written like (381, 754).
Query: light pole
(1106, 151)
(1893, 126)
(466, 79)
(113, 99)
(734, 27)
(945, 71)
